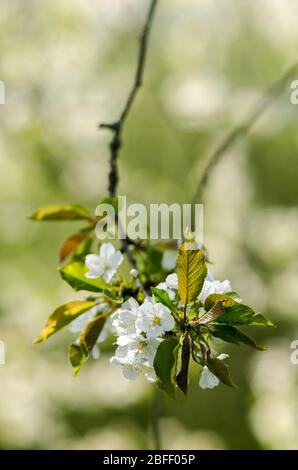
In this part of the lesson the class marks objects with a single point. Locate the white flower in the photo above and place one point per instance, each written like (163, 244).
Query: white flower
(170, 285)
(154, 319)
(105, 264)
(207, 378)
(124, 319)
(214, 287)
(136, 356)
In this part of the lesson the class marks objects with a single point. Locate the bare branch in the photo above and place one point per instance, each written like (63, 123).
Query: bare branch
(260, 108)
(117, 126)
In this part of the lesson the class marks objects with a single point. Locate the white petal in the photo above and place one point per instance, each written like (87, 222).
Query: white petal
(130, 372)
(172, 294)
(94, 274)
(142, 324)
(108, 275)
(154, 331)
(162, 286)
(116, 259)
(207, 379)
(222, 356)
(133, 305)
(79, 323)
(106, 250)
(167, 321)
(151, 376)
(172, 281)
(95, 352)
(225, 287)
(92, 261)
(115, 360)
(123, 340)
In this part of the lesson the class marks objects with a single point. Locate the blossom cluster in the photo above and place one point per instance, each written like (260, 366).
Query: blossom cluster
(139, 329)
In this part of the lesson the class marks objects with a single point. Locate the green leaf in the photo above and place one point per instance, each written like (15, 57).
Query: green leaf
(220, 370)
(163, 297)
(165, 364)
(230, 334)
(74, 275)
(58, 212)
(76, 357)
(260, 320)
(182, 377)
(62, 316)
(231, 297)
(91, 333)
(191, 270)
(240, 314)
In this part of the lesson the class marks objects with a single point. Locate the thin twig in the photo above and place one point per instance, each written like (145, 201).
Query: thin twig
(260, 108)
(117, 126)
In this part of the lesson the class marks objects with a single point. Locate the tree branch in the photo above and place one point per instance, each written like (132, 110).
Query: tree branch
(260, 108)
(117, 126)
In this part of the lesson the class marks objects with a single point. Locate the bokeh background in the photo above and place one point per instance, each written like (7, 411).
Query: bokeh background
(68, 65)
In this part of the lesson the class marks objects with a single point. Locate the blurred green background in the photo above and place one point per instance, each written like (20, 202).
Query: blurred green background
(68, 65)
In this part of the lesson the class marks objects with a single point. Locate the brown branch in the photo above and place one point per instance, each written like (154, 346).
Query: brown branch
(117, 126)
(260, 108)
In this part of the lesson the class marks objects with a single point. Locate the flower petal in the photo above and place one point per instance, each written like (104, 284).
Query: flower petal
(207, 379)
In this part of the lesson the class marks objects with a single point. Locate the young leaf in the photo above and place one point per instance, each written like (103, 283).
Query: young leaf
(58, 212)
(163, 297)
(220, 370)
(74, 275)
(76, 357)
(216, 311)
(260, 320)
(70, 245)
(230, 334)
(191, 270)
(165, 364)
(62, 316)
(182, 377)
(240, 314)
(91, 333)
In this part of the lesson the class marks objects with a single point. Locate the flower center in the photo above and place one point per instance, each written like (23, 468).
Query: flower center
(105, 266)
(156, 321)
